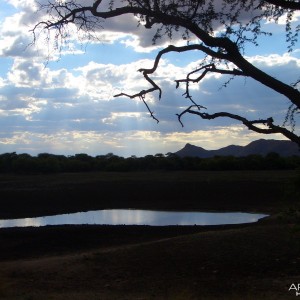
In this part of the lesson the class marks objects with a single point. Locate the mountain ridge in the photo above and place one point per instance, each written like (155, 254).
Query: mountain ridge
(260, 147)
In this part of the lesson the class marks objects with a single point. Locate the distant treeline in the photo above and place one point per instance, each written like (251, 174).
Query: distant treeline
(50, 163)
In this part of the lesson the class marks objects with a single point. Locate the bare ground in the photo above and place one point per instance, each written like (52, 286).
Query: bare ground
(258, 261)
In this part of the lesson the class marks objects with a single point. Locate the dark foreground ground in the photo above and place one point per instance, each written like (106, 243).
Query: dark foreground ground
(257, 261)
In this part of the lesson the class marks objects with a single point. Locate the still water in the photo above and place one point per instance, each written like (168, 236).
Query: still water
(136, 217)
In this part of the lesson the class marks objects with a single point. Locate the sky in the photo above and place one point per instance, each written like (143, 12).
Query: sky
(62, 102)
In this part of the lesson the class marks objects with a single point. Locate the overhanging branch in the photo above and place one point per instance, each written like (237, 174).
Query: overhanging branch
(141, 95)
(207, 68)
(250, 124)
(171, 48)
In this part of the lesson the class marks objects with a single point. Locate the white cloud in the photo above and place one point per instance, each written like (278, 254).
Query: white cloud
(30, 74)
(274, 60)
(114, 116)
(134, 42)
(22, 4)
(102, 82)
(138, 143)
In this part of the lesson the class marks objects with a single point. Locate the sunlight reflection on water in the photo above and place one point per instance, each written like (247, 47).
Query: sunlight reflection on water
(136, 217)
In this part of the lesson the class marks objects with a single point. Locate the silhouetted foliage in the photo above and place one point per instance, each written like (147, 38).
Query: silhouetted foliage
(50, 163)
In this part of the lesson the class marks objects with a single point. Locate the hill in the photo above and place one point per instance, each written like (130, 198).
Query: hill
(260, 147)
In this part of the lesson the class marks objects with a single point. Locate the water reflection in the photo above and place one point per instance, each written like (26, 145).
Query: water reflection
(136, 217)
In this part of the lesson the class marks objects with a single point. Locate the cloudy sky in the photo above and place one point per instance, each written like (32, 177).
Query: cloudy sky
(63, 102)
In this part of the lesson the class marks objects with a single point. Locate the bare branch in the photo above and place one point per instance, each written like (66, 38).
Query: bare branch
(249, 124)
(155, 87)
(206, 68)
(141, 95)
(151, 112)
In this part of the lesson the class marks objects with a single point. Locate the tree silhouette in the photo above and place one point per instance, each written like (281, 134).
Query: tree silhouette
(221, 28)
